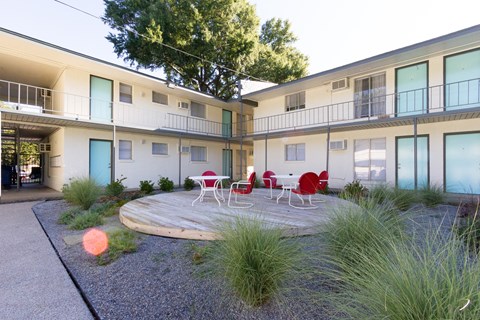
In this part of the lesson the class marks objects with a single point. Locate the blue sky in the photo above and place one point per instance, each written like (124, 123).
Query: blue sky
(331, 33)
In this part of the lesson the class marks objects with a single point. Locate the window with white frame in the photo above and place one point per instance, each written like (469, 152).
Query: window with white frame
(126, 93)
(369, 96)
(370, 159)
(198, 153)
(295, 101)
(125, 150)
(198, 110)
(158, 97)
(295, 152)
(159, 148)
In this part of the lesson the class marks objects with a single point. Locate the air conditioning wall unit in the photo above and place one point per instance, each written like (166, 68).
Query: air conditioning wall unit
(44, 147)
(184, 149)
(340, 84)
(336, 145)
(183, 105)
(46, 93)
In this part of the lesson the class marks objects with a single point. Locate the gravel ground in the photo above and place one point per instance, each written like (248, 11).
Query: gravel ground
(159, 281)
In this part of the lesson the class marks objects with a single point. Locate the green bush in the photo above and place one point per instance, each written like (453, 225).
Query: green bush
(199, 253)
(86, 220)
(68, 216)
(432, 195)
(166, 184)
(82, 192)
(188, 184)
(115, 188)
(402, 199)
(354, 191)
(146, 186)
(254, 259)
(119, 242)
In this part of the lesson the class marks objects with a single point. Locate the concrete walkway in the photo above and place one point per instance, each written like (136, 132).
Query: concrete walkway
(33, 282)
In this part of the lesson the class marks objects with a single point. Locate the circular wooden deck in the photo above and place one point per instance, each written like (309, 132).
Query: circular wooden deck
(172, 214)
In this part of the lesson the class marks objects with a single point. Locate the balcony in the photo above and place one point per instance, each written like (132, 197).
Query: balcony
(444, 102)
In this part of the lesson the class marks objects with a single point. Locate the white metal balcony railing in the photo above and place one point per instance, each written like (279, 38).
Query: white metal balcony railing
(451, 97)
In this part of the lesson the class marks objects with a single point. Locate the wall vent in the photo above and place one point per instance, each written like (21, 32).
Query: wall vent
(340, 84)
(338, 145)
(183, 105)
(44, 147)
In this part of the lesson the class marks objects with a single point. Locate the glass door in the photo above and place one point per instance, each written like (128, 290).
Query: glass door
(227, 162)
(406, 162)
(226, 123)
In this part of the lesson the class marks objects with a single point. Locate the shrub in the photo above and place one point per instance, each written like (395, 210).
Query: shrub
(188, 184)
(67, 216)
(468, 224)
(354, 191)
(86, 220)
(199, 252)
(432, 196)
(146, 186)
(115, 188)
(119, 242)
(165, 184)
(254, 259)
(402, 199)
(82, 192)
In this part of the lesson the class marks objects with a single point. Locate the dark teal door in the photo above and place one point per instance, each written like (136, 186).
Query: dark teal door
(101, 161)
(226, 123)
(101, 99)
(227, 162)
(406, 162)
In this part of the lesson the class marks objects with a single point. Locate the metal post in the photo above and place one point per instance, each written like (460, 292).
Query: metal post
(179, 161)
(266, 153)
(239, 85)
(19, 148)
(0, 151)
(415, 173)
(328, 148)
(113, 159)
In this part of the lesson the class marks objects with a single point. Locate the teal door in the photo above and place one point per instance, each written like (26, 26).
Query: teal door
(227, 162)
(226, 123)
(406, 162)
(100, 161)
(462, 163)
(101, 99)
(412, 83)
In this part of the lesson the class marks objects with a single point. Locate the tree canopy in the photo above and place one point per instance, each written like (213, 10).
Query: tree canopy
(225, 32)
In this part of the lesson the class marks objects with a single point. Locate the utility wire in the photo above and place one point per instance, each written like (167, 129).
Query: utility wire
(165, 45)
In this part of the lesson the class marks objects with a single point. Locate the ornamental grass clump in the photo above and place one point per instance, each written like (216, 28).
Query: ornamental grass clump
(86, 220)
(82, 192)
(254, 260)
(119, 243)
(432, 195)
(354, 234)
(430, 279)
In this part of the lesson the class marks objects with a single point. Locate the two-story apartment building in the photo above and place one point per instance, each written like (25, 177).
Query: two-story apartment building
(94, 118)
(408, 117)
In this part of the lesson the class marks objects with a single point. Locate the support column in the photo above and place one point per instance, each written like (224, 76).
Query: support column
(239, 85)
(328, 149)
(19, 148)
(114, 147)
(179, 161)
(415, 169)
(266, 152)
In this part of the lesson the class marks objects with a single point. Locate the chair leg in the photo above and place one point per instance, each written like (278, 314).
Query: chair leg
(303, 207)
(238, 204)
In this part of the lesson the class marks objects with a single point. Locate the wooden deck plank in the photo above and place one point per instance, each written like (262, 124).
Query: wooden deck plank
(172, 215)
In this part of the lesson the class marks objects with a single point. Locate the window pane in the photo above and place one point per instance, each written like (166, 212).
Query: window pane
(197, 110)
(295, 101)
(158, 97)
(125, 93)
(198, 153)
(159, 148)
(125, 150)
(290, 151)
(301, 152)
(370, 159)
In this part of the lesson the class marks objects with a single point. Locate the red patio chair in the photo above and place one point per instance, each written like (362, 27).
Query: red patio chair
(270, 182)
(210, 183)
(307, 185)
(322, 183)
(242, 188)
